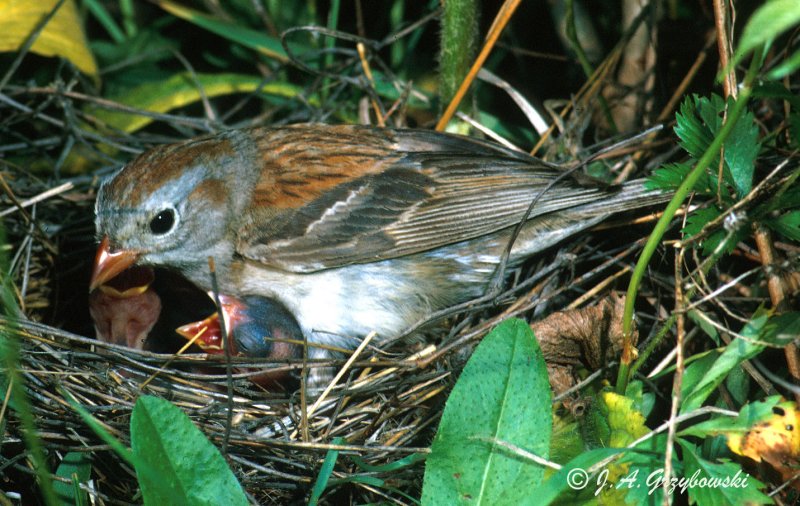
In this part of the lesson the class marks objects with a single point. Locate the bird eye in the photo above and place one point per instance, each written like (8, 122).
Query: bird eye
(163, 222)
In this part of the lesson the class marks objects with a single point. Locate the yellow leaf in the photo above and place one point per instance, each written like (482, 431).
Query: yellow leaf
(775, 441)
(63, 36)
(183, 89)
(624, 421)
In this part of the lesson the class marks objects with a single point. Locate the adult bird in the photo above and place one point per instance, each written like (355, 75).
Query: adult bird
(352, 228)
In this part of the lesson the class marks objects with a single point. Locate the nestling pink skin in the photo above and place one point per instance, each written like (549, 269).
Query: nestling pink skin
(258, 327)
(126, 309)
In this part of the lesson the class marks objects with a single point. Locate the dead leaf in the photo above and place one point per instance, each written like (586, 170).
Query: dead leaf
(589, 337)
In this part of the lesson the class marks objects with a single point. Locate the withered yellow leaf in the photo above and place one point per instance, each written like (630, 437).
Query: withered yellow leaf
(775, 441)
(63, 36)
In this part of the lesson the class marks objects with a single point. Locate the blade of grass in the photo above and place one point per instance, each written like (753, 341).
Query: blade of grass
(9, 355)
(325, 473)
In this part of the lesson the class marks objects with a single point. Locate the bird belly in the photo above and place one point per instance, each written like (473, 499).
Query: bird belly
(340, 306)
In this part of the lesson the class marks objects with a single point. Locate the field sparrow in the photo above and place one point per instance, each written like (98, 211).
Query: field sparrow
(352, 228)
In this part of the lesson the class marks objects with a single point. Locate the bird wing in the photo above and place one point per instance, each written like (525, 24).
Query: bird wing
(389, 194)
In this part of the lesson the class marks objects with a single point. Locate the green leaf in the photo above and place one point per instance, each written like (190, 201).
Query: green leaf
(694, 125)
(698, 219)
(503, 394)
(642, 401)
(569, 481)
(698, 123)
(719, 484)
(100, 429)
(644, 466)
(705, 324)
(77, 467)
(739, 350)
(788, 66)
(395, 465)
(189, 469)
(794, 128)
(749, 415)
(781, 329)
(668, 177)
(738, 385)
(264, 44)
(740, 155)
(787, 224)
(767, 23)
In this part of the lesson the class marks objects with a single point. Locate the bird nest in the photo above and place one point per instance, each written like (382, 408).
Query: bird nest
(384, 405)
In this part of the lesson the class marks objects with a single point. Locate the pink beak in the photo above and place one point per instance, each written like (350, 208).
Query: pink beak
(107, 263)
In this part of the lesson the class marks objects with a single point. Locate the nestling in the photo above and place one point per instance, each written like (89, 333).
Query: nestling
(257, 328)
(353, 229)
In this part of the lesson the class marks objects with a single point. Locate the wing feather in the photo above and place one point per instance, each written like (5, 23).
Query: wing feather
(404, 192)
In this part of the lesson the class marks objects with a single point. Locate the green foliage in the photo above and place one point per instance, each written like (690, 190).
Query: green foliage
(703, 377)
(325, 473)
(77, 467)
(188, 468)
(13, 383)
(766, 24)
(734, 486)
(786, 224)
(750, 414)
(267, 45)
(174, 461)
(502, 396)
(698, 122)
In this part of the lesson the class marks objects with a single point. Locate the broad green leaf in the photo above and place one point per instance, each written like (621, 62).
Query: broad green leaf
(739, 350)
(696, 369)
(767, 23)
(740, 154)
(643, 402)
(264, 44)
(189, 469)
(738, 385)
(62, 37)
(77, 467)
(183, 89)
(503, 395)
(714, 483)
(645, 466)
